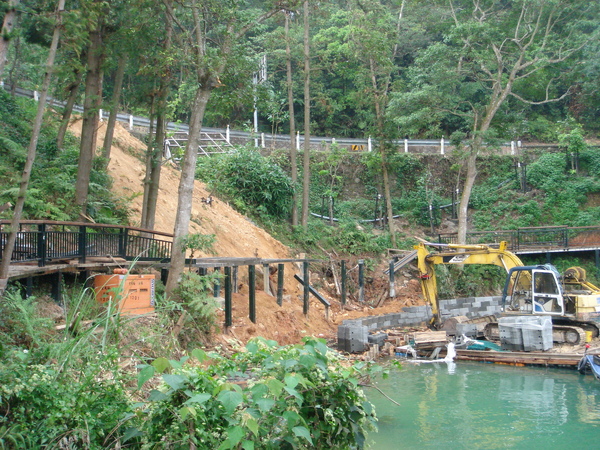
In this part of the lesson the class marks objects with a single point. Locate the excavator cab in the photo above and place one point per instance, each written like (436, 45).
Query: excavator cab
(533, 290)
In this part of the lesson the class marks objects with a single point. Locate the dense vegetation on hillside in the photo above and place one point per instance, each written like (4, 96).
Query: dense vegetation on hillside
(52, 188)
(350, 43)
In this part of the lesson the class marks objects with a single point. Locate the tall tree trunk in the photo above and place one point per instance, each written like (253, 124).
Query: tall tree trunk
(290, 91)
(73, 89)
(14, 68)
(207, 80)
(466, 195)
(380, 101)
(480, 130)
(154, 168)
(155, 151)
(10, 19)
(89, 128)
(388, 200)
(114, 107)
(31, 153)
(149, 153)
(306, 156)
(186, 189)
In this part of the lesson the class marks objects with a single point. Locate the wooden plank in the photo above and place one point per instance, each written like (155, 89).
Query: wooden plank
(430, 336)
(314, 292)
(527, 358)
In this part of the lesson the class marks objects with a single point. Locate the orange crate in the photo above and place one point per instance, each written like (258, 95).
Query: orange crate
(135, 292)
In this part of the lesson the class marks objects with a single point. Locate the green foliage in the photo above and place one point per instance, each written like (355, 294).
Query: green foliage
(547, 172)
(12, 436)
(194, 295)
(354, 239)
(267, 397)
(59, 389)
(469, 281)
(573, 141)
(347, 237)
(48, 408)
(20, 325)
(329, 172)
(51, 189)
(541, 128)
(589, 161)
(555, 196)
(16, 120)
(357, 208)
(199, 242)
(249, 180)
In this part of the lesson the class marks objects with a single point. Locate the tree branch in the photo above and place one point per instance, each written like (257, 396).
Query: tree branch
(382, 393)
(546, 100)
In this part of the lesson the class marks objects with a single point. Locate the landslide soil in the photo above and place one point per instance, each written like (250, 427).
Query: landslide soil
(237, 236)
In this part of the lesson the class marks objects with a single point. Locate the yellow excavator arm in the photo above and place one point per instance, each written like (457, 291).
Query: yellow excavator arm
(457, 254)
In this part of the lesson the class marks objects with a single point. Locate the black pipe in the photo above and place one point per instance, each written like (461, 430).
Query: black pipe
(228, 298)
(252, 292)
(280, 269)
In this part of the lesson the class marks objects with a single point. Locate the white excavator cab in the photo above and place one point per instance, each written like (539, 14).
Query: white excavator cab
(533, 290)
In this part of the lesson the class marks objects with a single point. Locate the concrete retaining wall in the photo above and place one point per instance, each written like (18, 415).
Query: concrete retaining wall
(352, 334)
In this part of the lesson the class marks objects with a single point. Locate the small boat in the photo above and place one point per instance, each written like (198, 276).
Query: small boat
(590, 363)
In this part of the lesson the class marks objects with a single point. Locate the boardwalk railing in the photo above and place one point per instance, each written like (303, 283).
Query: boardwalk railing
(45, 241)
(535, 239)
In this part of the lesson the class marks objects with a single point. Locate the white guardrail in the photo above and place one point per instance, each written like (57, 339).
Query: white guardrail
(222, 139)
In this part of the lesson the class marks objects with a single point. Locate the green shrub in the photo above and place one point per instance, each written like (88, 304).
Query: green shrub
(359, 208)
(469, 281)
(250, 181)
(20, 324)
(62, 409)
(590, 161)
(351, 238)
(195, 296)
(268, 397)
(548, 172)
(199, 242)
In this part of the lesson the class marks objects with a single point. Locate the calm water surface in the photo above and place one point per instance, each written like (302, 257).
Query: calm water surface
(467, 405)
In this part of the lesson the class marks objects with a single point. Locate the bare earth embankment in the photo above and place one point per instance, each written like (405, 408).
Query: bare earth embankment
(236, 236)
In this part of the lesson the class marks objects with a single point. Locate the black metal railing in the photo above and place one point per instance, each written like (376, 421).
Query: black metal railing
(47, 241)
(534, 238)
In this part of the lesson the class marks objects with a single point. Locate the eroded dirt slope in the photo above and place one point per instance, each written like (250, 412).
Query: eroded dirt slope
(236, 236)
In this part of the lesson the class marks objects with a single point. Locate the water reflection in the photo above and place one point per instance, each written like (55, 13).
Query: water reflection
(451, 368)
(474, 405)
(541, 400)
(588, 407)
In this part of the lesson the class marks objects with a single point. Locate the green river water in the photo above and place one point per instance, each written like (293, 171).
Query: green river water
(468, 405)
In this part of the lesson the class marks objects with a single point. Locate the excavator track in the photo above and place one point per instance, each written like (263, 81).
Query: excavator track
(592, 327)
(567, 334)
(561, 334)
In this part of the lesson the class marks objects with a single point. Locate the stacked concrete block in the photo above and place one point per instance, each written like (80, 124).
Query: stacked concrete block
(537, 334)
(470, 307)
(352, 336)
(377, 339)
(472, 330)
(526, 333)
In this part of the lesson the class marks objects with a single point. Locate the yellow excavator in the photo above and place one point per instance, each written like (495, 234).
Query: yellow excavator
(571, 301)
